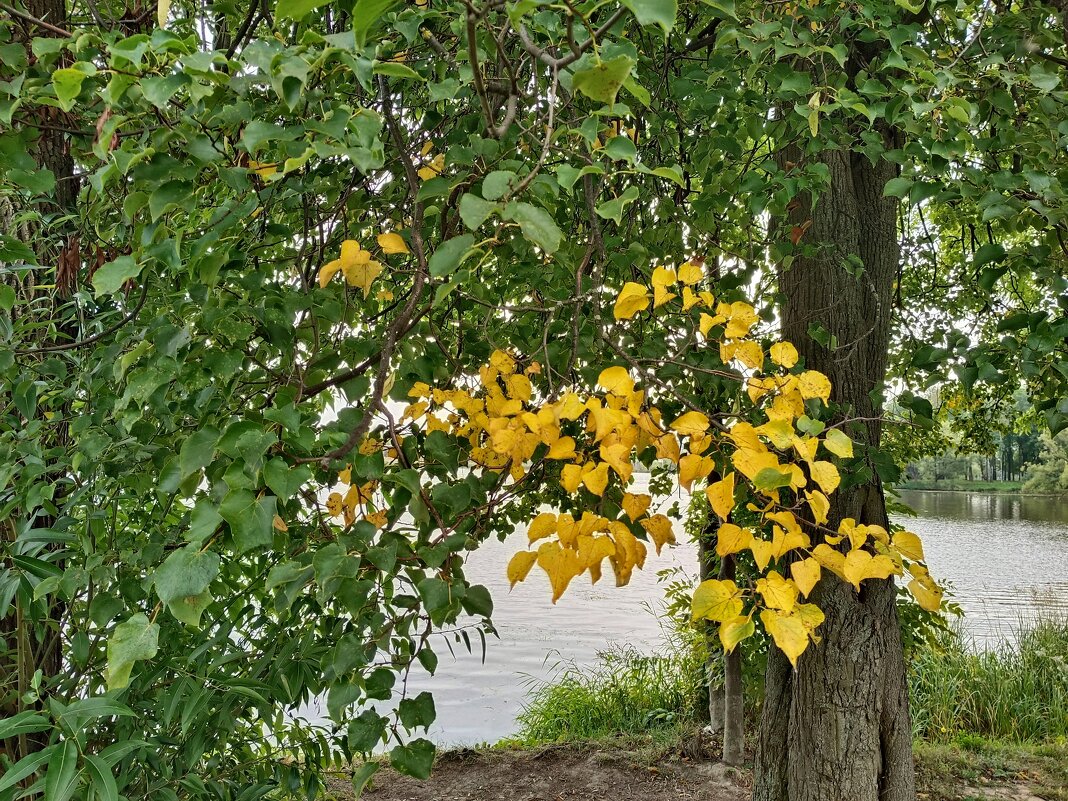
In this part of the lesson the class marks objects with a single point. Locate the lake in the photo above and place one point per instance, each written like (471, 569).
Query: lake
(1003, 557)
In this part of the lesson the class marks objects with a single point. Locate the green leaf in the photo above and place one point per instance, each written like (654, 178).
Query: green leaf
(296, 9)
(897, 187)
(182, 582)
(474, 210)
(111, 277)
(284, 481)
(613, 209)
(197, 451)
(538, 226)
(450, 255)
(498, 183)
(251, 520)
(366, 15)
(68, 85)
(61, 780)
(602, 80)
(414, 759)
(654, 12)
(101, 778)
(361, 776)
(366, 731)
(769, 479)
(23, 723)
(417, 712)
(26, 766)
(131, 641)
(395, 70)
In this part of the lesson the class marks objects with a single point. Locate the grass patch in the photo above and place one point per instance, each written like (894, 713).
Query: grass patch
(1016, 693)
(625, 693)
(962, 771)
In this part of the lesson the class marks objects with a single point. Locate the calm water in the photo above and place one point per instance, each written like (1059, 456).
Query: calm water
(1003, 556)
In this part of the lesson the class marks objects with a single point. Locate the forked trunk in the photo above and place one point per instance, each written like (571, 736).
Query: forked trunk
(837, 728)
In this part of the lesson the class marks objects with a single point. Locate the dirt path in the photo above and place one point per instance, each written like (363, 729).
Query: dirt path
(597, 772)
(561, 774)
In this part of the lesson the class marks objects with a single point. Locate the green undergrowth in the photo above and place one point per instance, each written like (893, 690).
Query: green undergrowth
(1017, 693)
(967, 769)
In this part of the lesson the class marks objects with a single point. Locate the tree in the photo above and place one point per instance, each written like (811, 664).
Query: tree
(382, 250)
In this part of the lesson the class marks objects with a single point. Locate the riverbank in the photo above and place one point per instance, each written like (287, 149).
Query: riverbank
(960, 485)
(634, 769)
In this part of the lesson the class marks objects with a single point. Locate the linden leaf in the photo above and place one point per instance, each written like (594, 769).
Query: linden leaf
(860, 565)
(571, 477)
(691, 273)
(693, 468)
(826, 475)
(778, 592)
(831, 559)
(732, 539)
(541, 526)
(596, 479)
(716, 600)
(563, 448)
(636, 505)
(732, 632)
(616, 380)
(909, 545)
(333, 504)
(661, 531)
(693, 424)
(838, 443)
(788, 632)
(328, 271)
(819, 504)
(632, 299)
(741, 317)
(560, 565)
(519, 566)
(928, 594)
(813, 384)
(806, 573)
(392, 243)
(783, 354)
(721, 496)
(762, 552)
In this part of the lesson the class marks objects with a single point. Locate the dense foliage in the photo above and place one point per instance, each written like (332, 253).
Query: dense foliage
(239, 241)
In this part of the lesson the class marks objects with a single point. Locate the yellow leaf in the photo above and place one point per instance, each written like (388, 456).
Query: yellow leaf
(520, 565)
(571, 477)
(826, 475)
(689, 299)
(778, 592)
(392, 243)
(541, 526)
(693, 468)
(693, 424)
(662, 296)
(632, 299)
(813, 384)
(328, 271)
(721, 496)
(732, 539)
(830, 558)
(806, 573)
(741, 316)
(595, 478)
(708, 322)
(333, 504)
(663, 276)
(928, 594)
(860, 565)
(909, 545)
(732, 632)
(263, 169)
(690, 273)
(659, 528)
(783, 354)
(616, 380)
(716, 600)
(563, 448)
(762, 552)
(819, 504)
(434, 168)
(279, 524)
(838, 443)
(636, 505)
(362, 275)
(780, 432)
(788, 632)
(560, 565)
(569, 407)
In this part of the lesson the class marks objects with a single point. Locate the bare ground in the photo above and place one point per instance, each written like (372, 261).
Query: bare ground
(594, 772)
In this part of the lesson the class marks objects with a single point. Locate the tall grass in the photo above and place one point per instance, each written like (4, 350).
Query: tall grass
(625, 693)
(1017, 692)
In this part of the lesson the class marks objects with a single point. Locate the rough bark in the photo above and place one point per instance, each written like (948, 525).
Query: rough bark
(837, 728)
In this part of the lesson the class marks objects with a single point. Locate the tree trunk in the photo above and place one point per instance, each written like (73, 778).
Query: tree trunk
(837, 728)
(706, 558)
(733, 700)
